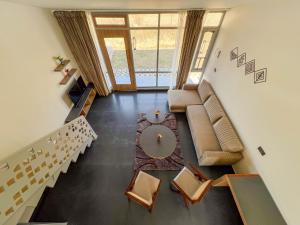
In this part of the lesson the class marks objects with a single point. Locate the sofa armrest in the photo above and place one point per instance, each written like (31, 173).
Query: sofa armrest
(210, 158)
(190, 86)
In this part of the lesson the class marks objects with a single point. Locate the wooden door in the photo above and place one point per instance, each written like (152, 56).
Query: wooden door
(117, 53)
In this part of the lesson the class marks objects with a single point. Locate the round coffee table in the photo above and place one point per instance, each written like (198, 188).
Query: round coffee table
(158, 150)
(152, 118)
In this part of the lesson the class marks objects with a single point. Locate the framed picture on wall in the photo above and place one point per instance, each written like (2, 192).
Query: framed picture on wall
(260, 76)
(241, 60)
(250, 67)
(234, 54)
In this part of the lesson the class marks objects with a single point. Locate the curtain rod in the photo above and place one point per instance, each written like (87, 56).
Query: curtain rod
(143, 10)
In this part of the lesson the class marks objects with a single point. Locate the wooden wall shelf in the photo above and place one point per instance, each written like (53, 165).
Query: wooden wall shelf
(61, 66)
(67, 77)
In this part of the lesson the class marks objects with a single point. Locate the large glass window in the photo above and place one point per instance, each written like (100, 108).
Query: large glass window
(109, 21)
(169, 19)
(153, 38)
(144, 45)
(143, 20)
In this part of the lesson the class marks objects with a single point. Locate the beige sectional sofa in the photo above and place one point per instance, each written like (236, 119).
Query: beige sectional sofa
(215, 139)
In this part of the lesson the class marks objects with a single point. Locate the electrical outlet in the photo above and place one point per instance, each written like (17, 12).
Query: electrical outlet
(261, 151)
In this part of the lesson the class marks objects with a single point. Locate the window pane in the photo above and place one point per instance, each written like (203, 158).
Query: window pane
(145, 79)
(194, 77)
(167, 49)
(205, 44)
(110, 21)
(118, 58)
(203, 50)
(213, 19)
(164, 79)
(143, 20)
(169, 20)
(199, 63)
(144, 44)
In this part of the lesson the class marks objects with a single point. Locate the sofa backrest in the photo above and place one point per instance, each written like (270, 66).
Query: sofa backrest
(214, 108)
(228, 139)
(225, 132)
(205, 90)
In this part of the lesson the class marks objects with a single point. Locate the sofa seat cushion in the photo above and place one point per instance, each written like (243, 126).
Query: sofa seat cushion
(214, 109)
(202, 131)
(180, 99)
(227, 136)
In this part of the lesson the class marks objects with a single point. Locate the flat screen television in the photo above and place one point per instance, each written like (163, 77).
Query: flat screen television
(77, 90)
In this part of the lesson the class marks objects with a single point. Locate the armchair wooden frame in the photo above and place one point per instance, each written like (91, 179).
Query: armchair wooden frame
(130, 197)
(187, 200)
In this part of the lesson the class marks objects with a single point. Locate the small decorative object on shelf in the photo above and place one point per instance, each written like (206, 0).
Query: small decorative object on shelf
(159, 137)
(59, 59)
(157, 113)
(67, 71)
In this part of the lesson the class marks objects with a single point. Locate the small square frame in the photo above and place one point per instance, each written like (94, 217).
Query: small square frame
(234, 53)
(260, 76)
(241, 60)
(250, 67)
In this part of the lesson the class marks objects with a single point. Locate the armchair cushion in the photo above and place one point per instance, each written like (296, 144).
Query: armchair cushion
(190, 184)
(201, 189)
(144, 188)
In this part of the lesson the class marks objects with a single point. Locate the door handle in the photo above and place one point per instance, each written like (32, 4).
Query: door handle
(134, 43)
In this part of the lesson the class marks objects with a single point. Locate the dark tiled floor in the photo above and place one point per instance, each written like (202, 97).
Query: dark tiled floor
(91, 193)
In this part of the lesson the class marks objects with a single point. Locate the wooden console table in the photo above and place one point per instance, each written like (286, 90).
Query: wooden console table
(83, 106)
(253, 200)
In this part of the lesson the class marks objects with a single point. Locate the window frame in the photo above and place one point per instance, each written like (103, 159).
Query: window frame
(110, 15)
(215, 30)
(210, 47)
(127, 26)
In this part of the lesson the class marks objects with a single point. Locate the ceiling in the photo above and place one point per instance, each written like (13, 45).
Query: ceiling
(132, 4)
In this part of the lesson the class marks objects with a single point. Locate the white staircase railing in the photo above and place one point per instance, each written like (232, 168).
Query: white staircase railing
(25, 174)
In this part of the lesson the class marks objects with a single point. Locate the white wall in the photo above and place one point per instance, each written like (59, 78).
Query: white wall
(31, 98)
(265, 114)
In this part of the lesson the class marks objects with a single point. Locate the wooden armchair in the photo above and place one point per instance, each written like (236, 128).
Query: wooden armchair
(191, 184)
(143, 188)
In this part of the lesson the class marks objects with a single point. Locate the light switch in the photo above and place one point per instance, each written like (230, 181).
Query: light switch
(261, 151)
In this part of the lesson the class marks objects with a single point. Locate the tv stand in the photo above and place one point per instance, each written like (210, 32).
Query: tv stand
(84, 104)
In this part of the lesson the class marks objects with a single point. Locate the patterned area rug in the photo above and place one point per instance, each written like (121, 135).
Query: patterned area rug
(143, 161)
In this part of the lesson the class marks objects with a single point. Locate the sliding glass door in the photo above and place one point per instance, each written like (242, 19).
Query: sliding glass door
(153, 45)
(153, 38)
(118, 59)
(144, 48)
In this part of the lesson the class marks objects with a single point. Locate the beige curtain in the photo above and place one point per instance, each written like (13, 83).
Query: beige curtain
(76, 31)
(192, 30)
